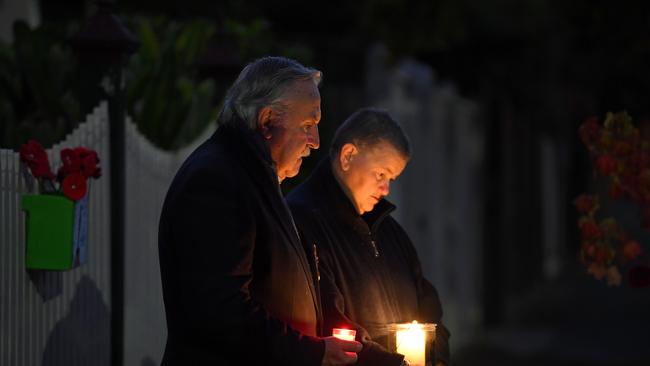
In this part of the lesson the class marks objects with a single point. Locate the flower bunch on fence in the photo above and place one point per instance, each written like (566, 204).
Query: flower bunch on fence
(620, 154)
(77, 166)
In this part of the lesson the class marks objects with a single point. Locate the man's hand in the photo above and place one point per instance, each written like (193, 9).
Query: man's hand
(340, 352)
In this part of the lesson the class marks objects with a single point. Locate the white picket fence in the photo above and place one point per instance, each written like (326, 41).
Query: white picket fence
(149, 172)
(56, 318)
(63, 318)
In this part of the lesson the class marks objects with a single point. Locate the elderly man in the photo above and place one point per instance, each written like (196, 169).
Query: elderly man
(370, 275)
(237, 285)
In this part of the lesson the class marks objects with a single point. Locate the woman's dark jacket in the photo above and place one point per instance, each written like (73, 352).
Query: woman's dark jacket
(370, 275)
(236, 282)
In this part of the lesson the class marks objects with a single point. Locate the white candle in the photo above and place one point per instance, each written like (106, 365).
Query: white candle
(411, 342)
(345, 334)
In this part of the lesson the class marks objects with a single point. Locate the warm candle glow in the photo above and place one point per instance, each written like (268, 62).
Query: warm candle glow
(411, 342)
(345, 334)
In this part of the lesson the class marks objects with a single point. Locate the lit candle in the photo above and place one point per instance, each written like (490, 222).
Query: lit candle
(345, 334)
(411, 342)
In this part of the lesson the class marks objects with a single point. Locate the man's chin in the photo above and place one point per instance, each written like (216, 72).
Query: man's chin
(368, 207)
(294, 171)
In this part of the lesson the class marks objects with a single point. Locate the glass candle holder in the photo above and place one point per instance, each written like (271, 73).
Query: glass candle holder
(413, 340)
(345, 334)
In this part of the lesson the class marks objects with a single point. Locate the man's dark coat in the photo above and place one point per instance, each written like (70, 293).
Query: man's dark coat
(236, 283)
(370, 275)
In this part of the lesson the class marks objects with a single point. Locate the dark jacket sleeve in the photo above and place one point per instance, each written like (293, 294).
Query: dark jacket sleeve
(429, 302)
(332, 301)
(372, 354)
(429, 305)
(214, 228)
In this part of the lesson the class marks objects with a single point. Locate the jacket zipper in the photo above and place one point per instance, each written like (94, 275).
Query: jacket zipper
(374, 246)
(317, 260)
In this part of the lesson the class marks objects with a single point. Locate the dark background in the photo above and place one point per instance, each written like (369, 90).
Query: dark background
(536, 69)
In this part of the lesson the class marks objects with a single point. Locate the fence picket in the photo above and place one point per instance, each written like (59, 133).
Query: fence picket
(67, 314)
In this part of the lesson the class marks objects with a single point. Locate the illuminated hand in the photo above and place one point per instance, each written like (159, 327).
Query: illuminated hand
(340, 352)
(439, 363)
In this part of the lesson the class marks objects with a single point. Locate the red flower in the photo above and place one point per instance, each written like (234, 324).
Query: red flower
(33, 154)
(89, 162)
(71, 162)
(74, 186)
(585, 203)
(631, 250)
(587, 253)
(42, 170)
(639, 277)
(590, 230)
(622, 154)
(80, 160)
(83, 151)
(606, 165)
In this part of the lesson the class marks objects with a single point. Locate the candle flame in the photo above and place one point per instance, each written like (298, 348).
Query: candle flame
(345, 334)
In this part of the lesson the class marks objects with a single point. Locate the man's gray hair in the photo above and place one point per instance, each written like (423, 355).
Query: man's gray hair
(263, 82)
(369, 127)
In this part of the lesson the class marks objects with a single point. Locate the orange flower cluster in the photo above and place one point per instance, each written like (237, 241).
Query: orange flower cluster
(620, 154)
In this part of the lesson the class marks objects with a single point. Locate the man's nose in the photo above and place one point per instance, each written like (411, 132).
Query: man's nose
(313, 140)
(384, 188)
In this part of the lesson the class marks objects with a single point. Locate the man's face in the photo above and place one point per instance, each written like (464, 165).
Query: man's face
(293, 133)
(368, 171)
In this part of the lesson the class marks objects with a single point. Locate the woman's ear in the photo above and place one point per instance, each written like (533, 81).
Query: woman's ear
(265, 122)
(346, 155)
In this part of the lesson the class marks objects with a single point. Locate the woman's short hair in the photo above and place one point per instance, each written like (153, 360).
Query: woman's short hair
(369, 127)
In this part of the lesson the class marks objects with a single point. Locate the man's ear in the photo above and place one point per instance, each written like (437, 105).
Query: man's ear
(346, 155)
(265, 122)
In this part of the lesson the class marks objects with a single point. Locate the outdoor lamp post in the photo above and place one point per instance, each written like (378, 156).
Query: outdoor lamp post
(103, 46)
